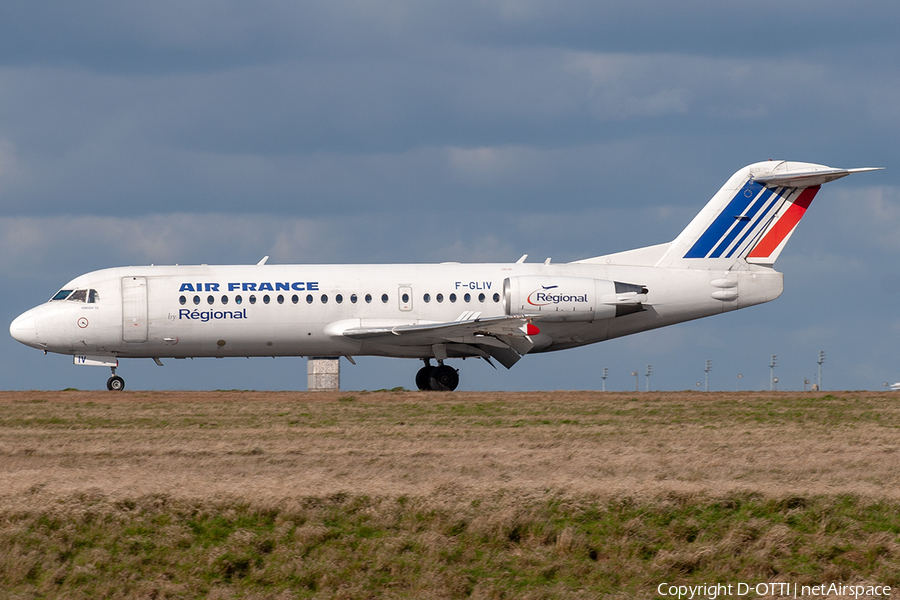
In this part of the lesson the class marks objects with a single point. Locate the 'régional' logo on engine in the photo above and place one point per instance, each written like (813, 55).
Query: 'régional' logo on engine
(544, 297)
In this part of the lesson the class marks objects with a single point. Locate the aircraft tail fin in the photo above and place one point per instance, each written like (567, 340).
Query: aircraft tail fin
(752, 216)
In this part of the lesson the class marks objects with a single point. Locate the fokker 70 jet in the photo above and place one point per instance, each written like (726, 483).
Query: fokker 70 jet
(723, 260)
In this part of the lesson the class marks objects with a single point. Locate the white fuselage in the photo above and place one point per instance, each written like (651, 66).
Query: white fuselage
(301, 310)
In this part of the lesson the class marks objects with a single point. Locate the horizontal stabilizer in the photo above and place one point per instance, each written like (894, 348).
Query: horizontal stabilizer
(803, 178)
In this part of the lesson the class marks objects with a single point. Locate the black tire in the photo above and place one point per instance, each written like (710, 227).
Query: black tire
(444, 379)
(115, 384)
(423, 378)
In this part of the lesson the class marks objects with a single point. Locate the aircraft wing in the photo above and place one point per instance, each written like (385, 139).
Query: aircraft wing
(505, 338)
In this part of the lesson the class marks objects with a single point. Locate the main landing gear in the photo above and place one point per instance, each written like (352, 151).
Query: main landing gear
(440, 378)
(115, 383)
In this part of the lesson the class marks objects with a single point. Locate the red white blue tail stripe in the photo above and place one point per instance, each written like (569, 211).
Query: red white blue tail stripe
(778, 233)
(754, 223)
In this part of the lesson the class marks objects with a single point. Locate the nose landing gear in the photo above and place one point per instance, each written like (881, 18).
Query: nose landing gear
(440, 378)
(115, 383)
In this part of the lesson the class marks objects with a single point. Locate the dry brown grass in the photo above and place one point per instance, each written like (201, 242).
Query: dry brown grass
(429, 495)
(273, 445)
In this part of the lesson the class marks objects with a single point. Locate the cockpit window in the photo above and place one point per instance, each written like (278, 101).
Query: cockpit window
(89, 296)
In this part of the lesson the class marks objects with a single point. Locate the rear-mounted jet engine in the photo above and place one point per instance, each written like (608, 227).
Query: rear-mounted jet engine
(571, 298)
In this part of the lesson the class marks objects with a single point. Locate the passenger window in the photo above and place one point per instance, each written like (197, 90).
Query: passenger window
(405, 298)
(94, 297)
(427, 297)
(224, 299)
(384, 298)
(238, 299)
(78, 296)
(61, 295)
(452, 297)
(309, 299)
(481, 297)
(368, 298)
(439, 297)
(339, 298)
(280, 299)
(467, 297)
(295, 298)
(210, 300)
(252, 299)
(266, 299)
(324, 298)
(353, 298)
(182, 300)
(196, 299)
(496, 297)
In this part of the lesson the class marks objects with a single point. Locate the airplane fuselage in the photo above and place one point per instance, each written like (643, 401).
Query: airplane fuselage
(301, 310)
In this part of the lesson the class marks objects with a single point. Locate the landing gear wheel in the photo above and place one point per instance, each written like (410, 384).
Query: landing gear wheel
(423, 377)
(444, 379)
(115, 384)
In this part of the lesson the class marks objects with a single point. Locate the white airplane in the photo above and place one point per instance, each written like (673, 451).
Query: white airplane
(722, 261)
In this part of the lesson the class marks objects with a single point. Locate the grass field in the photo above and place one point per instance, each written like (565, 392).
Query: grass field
(425, 495)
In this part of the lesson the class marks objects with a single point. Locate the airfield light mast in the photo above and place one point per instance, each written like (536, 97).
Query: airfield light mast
(649, 371)
(635, 374)
(604, 376)
(707, 370)
(772, 367)
(820, 361)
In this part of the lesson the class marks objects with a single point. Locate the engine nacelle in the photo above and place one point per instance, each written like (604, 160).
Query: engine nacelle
(571, 298)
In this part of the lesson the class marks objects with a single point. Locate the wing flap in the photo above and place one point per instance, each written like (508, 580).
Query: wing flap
(505, 356)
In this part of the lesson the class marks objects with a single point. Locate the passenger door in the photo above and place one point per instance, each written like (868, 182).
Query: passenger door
(134, 309)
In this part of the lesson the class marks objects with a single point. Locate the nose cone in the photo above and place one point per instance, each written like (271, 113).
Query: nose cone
(23, 329)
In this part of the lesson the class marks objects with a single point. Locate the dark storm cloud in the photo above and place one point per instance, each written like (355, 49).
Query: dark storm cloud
(133, 37)
(179, 36)
(314, 136)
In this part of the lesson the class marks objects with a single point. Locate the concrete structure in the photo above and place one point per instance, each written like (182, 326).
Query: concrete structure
(323, 374)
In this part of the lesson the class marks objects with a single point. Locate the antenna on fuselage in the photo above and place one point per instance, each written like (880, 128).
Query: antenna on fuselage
(263, 261)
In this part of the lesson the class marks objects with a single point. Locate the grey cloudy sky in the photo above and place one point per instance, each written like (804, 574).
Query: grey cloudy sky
(401, 131)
